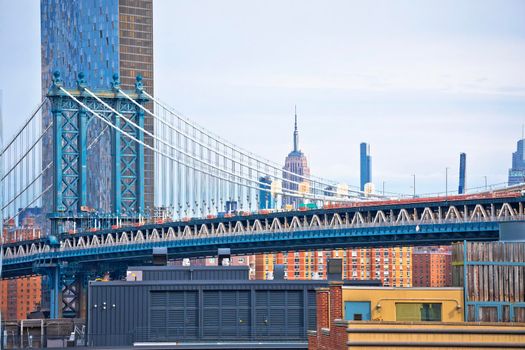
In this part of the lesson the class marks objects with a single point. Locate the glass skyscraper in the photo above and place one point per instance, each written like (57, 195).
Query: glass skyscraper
(517, 172)
(462, 173)
(98, 38)
(366, 165)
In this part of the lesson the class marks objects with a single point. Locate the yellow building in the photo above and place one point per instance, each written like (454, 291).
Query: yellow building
(403, 318)
(402, 304)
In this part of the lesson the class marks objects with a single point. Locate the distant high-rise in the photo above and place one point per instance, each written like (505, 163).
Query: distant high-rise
(517, 172)
(98, 38)
(462, 173)
(265, 198)
(295, 163)
(366, 165)
(392, 266)
(432, 267)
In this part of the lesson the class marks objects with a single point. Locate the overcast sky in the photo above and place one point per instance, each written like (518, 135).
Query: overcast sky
(421, 81)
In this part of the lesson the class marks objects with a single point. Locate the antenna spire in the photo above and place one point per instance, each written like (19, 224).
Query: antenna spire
(295, 133)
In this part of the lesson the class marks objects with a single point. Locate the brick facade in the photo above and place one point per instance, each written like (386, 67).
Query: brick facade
(329, 335)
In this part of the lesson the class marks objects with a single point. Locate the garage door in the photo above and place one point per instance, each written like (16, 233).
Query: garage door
(173, 315)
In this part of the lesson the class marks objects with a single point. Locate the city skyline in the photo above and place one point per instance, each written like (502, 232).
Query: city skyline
(467, 78)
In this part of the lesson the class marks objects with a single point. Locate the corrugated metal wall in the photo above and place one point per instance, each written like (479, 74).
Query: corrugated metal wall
(121, 313)
(168, 273)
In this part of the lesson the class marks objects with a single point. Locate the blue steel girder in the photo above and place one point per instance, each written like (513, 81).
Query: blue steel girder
(126, 170)
(279, 241)
(66, 153)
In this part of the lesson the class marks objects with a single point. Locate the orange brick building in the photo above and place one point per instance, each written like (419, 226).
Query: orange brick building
(432, 267)
(19, 296)
(393, 266)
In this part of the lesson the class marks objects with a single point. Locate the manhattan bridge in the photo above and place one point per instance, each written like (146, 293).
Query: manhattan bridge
(198, 174)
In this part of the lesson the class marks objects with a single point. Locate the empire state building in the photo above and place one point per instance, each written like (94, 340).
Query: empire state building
(295, 163)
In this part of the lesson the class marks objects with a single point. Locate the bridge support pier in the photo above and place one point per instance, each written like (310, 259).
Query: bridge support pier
(67, 286)
(55, 291)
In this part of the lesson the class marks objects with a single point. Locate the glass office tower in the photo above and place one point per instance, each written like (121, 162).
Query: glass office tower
(98, 38)
(517, 172)
(366, 165)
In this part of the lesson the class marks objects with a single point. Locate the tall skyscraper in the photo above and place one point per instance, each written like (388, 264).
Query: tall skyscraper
(517, 172)
(295, 163)
(462, 173)
(98, 38)
(366, 165)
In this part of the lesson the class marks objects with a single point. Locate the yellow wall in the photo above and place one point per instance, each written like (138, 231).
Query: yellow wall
(450, 298)
(426, 335)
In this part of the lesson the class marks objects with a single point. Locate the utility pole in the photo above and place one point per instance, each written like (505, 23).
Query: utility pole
(383, 188)
(485, 182)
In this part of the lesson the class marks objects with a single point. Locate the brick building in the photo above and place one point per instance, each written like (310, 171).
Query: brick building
(19, 296)
(393, 266)
(402, 318)
(432, 266)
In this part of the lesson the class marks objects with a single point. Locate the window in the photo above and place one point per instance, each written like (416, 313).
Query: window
(418, 312)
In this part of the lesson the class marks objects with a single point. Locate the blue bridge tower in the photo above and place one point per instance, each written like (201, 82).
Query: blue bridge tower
(71, 120)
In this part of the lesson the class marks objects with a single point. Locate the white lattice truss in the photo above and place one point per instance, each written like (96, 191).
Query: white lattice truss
(298, 222)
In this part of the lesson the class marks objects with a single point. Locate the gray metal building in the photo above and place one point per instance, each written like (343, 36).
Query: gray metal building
(200, 307)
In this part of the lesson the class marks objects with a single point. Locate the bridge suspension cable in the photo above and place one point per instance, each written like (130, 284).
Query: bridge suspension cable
(234, 177)
(243, 152)
(21, 159)
(23, 127)
(28, 185)
(240, 176)
(277, 175)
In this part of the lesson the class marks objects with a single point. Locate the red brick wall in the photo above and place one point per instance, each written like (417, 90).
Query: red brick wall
(329, 309)
(336, 302)
(322, 310)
